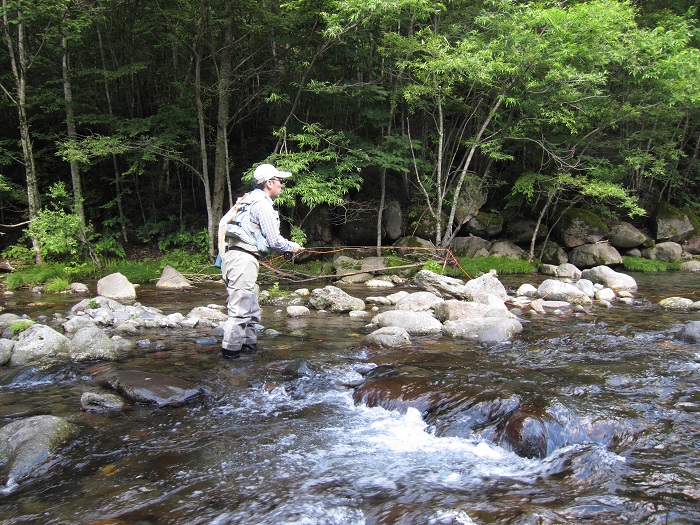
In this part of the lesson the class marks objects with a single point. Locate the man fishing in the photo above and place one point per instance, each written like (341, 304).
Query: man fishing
(250, 229)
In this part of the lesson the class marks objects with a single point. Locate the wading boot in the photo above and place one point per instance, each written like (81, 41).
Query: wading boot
(231, 354)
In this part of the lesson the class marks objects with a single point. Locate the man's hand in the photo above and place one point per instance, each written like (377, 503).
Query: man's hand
(296, 248)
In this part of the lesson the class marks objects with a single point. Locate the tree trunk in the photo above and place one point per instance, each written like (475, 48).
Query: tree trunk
(72, 134)
(14, 37)
(221, 151)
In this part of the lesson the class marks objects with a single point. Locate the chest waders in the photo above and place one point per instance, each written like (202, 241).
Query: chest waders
(244, 243)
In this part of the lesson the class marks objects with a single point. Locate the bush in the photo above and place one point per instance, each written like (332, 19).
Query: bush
(56, 284)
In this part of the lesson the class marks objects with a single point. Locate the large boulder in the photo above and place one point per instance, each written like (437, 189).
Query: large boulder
(415, 323)
(334, 299)
(116, 286)
(470, 246)
(37, 342)
(92, 344)
(507, 249)
(577, 226)
(393, 220)
(664, 251)
(608, 277)
(625, 236)
(590, 255)
(551, 253)
(29, 446)
(485, 224)
(671, 224)
(521, 232)
(171, 279)
(554, 290)
(484, 285)
(441, 285)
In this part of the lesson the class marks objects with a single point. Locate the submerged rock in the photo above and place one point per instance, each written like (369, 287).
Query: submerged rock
(147, 387)
(27, 447)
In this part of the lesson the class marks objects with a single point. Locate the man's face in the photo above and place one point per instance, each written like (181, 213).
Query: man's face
(275, 185)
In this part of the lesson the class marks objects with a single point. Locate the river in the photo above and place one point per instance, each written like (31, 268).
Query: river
(620, 397)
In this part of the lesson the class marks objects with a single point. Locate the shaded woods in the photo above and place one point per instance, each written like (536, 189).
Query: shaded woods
(136, 123)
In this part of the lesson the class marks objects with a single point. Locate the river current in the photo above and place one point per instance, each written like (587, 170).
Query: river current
(361, 435)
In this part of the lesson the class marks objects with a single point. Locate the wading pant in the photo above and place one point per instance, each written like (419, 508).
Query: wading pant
(240, 271)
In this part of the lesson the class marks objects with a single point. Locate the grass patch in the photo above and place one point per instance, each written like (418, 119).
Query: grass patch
(641, 264)
(20, 326)
(503, 265)
(56, 285)
(55, 277)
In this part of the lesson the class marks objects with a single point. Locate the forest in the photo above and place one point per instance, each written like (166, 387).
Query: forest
(139, 122)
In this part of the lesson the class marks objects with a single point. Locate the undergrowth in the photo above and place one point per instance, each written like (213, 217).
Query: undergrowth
(640, 264)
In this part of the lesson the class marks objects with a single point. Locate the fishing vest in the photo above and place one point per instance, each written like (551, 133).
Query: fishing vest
(241, 229)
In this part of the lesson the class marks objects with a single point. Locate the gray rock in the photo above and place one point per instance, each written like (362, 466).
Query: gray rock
(418, 302)
(5, 351)
(676, 302)
(624, 236)
(527, 290)
(298, 311)
(440, 285)
(415, 323)
(590, 255)
(568, 271)
(37, 342)
(671, 224)
(664, 251)
(392, 219)
(7, 319)
(92, 344)
(506, 249)
(116, 286)
(610, 278)
(207, 313)
(485, 284)
(334, 300)
(485, 329)
(586, 286)
(78, 288)
(577, 227)
(102, 402)
(691, 266)
(521, 232)
(77, 322)
(171, 279)
(29, 446)
(389, 336)
(485, 224)
(554, 290)
(551, 253)
(690, 333)
(455, 310)
(148, 387)
(470, 246)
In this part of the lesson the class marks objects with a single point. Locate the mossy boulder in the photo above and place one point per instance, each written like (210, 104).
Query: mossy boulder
(671, 223)
(577, 227)
(485, 224)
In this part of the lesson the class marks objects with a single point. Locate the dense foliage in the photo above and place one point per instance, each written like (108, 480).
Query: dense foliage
(154, 113)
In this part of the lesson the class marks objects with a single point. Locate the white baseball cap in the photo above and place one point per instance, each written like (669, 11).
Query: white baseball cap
(265, 172)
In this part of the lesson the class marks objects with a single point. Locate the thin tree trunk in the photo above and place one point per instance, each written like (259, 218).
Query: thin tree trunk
(14, 41)
(72, 134)
(115, 163)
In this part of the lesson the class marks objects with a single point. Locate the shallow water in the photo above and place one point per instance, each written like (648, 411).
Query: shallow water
(620, 398)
